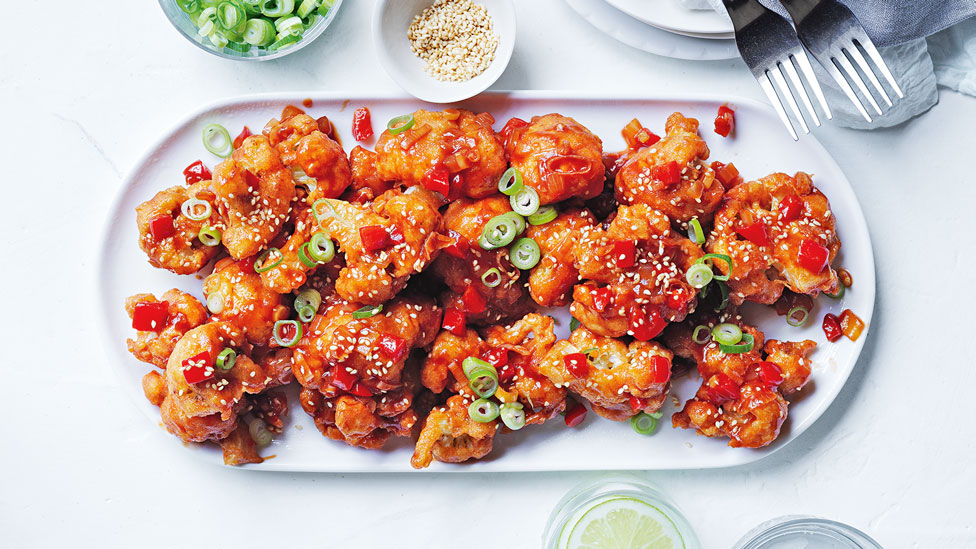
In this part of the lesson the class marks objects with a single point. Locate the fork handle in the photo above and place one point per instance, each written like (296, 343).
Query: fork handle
(743, 12)
(799, 9)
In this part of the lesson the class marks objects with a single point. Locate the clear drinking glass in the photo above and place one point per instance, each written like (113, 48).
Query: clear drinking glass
(805, 532)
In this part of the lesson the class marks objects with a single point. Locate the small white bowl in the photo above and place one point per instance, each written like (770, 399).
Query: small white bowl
(392, 18)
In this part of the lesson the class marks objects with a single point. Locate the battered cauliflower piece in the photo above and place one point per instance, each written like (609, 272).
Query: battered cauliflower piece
(408, 226)
(254, 194)
(184, 314)
(618, 380)
(557, 156)
(314, 159)
(635, 275)
(551, 281)
(181, 252)
(648, 177)
(292, 272)
(451, 436)
(780, 233)
(458, 141)
(237, 296)
(366, 183)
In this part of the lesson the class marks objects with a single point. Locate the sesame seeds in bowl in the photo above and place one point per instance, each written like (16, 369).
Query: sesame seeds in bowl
(443, 51)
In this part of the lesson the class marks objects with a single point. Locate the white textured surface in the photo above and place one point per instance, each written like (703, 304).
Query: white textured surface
(893, 456)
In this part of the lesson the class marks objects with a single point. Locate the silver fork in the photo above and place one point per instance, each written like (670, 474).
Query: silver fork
(769, 46)
(833, 35)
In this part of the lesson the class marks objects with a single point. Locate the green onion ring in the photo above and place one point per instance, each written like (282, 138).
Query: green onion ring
(326, 6)
(238, 47)
(367, 311)
(492, 277)
(543, 215)
(517, 219)
(321, 248)
(290, 25)
(190, 7)
(277, 8)
(485, 245)
(303, 256)
(259, 32)
(744, 345)
(206, 21)
(511, 182)
(483, 410)
(525, 202)
(222, 149)
(841, 290)
(252, 7)
(727, 334)
(471, 363)
(278, 331)
(724, 289)
(219, 40)
(525, 253)
(209, 236)
(190, 207)
(230, 16)
(795, 321)
(259, 432)
(513, 416)
(483, 381)
(721, 257)
(645, 424)
(696, 336)
(306, 314)
(284, 42)
(588, 350)
(308, 297)
(499, 231)
(695, 232)
(699, 275)
(259, 264)
(400, 124)
(226, 359)
(307, 7)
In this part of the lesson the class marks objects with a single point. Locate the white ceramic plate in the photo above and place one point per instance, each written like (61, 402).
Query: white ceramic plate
(671, 16)
(759, 146)
(624, 28)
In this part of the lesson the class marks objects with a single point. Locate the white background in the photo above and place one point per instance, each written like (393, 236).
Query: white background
(87, 87)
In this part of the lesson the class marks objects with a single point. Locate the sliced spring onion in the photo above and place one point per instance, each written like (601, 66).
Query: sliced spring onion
(525, 202)
(304, 258)
(588, 350)
(492, 277)
(215, 303)
(511, 182)
(699, 275)
(525, 253)
(483, 380)
(284, 42)
(400, 124)
(727, 334)
(513, 416)
(231, 16)
(707, 259)
(307, 7)
(573, 324)
(543, 215)
(797, 316)
(306, 314)
(517, 219)
(367, 311)
(471, 363)
(290, 25)
(191, 7)
(499, 231)
(218, 39)
(701, 335)
(645, 424)
(261, 264)
(321, 248)
(226, 359)
(483, 410)
(216, 139)
(259, 432)
(277, 8)
(278, 334)
(326, 6)
(485, 245)
(238, 47)
(307, 304)
(695, 232)
(259, 32)
(196, 209)
(209, 236)
(743, 346)
(724, 290)
(252, 7)
(841, 289)
(207, 21)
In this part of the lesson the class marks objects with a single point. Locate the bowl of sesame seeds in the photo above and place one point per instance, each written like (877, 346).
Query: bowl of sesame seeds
(443, 51)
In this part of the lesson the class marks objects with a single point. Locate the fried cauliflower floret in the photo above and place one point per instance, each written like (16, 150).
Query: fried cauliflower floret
(366, 183)
(463, 264)
(291, 272)
(619, 380)
(442, 368)
(765, 226)
(450, 435)
(310, 153)
(408, 226)
(558, 157)
(551, 281)
(184, 314)
(239, 297)
(633, 292)
(458, 141)
(645, 178)
(182, 252)
(254, 193)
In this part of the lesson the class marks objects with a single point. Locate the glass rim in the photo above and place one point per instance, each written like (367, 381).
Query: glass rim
(809, 526)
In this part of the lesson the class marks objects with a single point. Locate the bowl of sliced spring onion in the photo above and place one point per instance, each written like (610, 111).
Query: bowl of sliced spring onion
(254, 30)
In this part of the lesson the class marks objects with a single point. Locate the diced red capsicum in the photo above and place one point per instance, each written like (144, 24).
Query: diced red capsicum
(438, 179)
(725, 390)
(253, 181)
(459, 248)
(394, 347)
(511, 126)
(239, 140)
(725, 121)
(362, 125)
(162, 227)
(661, 369)
(396, 235)
(755, 233)
(246, 265)
(359, 389)
(455, 322)
(851, 324)
(646, 137)
(375, 237)
(646, 326)
(198, 368)
(679, 297)
(342, 379)
(831, 327)
(575, 414)
(472, 301)
(636, 403)
(770, 373)
(791, 208)
(602, 297)
(196, 172)
(812, 256)
(625, 253)
(669, 173)
(727, 174)
(577, 364)
(498, 358)
(150, 317)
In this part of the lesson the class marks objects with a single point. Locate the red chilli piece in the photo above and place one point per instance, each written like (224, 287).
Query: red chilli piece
(831, 327)
(679, 298)
(459, 248)
(473, 302)
(791, 208)
(625, 253)
(252, 180)
(374, 237)
(239, 140)
(161, 227)
(342, 379)
(455, 322)
(661, 369)
(510, 127)
(575, 415)
(725, 121)
(150, 317)
(646, 326)
(498, 358)
(646, 137)
(394, 347)
(197, 172)
(577, 364)
(438, 179)
(246, 265)
(602, 298)
(396, 235)
(727, 174)
(669, 173)
(636, 404)
(755, 233)
(359, 389)
(362, 125)
(198, 368)
(812, 256)
(724, 391)
(770, 373)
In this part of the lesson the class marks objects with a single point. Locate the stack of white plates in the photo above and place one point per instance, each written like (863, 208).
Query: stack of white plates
(662, 27)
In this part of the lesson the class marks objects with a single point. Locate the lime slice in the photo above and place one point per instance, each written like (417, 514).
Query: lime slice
(624, 523)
